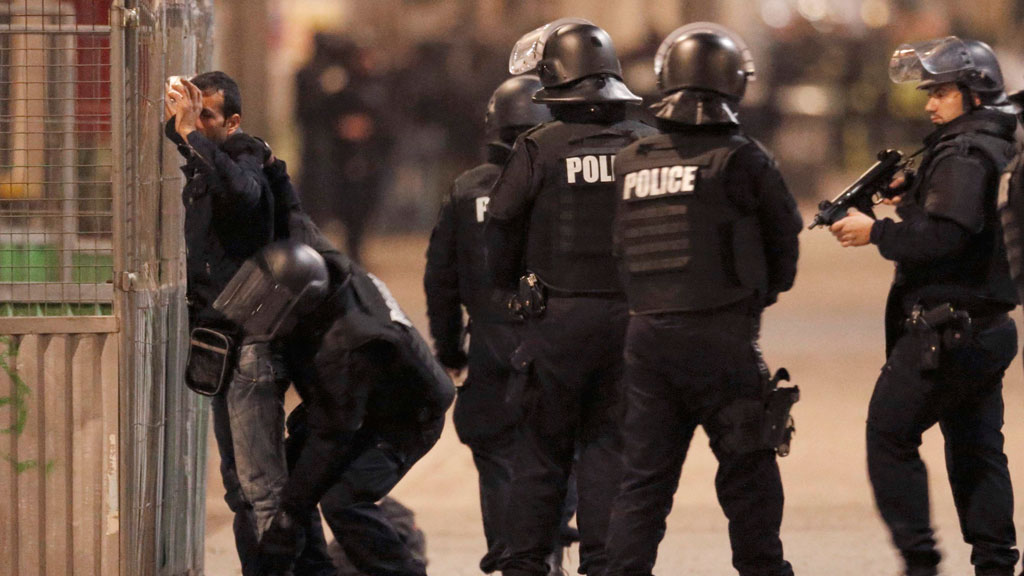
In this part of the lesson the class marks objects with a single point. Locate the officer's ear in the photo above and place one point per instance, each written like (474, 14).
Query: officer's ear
(232, 123)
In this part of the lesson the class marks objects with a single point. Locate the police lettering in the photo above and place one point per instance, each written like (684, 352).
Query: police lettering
(593, 168)
(481, 207)
(655, 182)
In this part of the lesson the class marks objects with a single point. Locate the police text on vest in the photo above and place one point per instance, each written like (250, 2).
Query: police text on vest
(593, 168)
(481, 208)
(654, 182)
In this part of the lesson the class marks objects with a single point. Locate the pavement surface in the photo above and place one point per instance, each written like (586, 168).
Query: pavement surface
(827, 332)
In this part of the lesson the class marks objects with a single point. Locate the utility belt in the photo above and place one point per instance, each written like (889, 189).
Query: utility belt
(945, 327)
(531, 296)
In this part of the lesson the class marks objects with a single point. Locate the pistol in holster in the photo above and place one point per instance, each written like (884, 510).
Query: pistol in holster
(779, 427)
(529, 300)
(938, 328)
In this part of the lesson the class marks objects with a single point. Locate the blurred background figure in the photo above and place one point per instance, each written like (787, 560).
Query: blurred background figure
(346, 141)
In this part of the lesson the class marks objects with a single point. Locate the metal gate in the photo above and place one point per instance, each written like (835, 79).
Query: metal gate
(102, 450)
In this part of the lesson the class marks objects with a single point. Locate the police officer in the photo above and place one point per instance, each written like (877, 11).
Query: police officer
(948, 336)
(550, 215)
(706, 237)
(374, 399)
(456, 275)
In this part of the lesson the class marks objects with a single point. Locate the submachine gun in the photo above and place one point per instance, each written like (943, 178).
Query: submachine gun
(867, 191)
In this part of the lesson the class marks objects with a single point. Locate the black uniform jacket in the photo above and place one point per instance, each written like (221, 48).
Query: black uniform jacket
(229, 213)
(948, 245)
(456, 273)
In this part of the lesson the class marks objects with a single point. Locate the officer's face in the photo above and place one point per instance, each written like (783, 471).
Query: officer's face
(212, 122)
(945, 104)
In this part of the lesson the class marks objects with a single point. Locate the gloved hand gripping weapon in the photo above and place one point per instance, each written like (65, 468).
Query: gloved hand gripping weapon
(867, 191)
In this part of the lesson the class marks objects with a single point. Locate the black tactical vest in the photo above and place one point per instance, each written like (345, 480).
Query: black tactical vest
(979, 279)
(470, 197)
(570, 238)
(366, 312)
(683, 245)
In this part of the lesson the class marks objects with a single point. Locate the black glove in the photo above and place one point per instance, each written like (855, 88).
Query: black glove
(281, 544)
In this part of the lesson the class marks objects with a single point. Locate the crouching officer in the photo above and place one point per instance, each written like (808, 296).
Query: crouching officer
(456, 276)
(550, 216)
(948, 336)
(374, 398)
(706, 237)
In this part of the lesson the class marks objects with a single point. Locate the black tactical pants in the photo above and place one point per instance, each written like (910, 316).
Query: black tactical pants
(370, 541)
(571, 407)
(681, 371)
(487, 423)
(964, 396)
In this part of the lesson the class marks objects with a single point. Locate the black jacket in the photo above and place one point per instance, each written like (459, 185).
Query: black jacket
(229, 214)
(948, 246)
(456, 273)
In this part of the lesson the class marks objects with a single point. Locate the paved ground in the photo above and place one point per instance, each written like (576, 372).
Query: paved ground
(827, 332)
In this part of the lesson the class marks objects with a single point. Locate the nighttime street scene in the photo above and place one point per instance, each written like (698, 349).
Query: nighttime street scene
(512, 287)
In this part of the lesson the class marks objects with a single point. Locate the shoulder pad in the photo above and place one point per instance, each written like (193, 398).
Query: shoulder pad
(997, 151)
(956, 191)
(476, 181)
(530, 132)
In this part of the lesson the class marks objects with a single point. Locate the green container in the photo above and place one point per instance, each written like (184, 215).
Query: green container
(92, 267)
(29, 263)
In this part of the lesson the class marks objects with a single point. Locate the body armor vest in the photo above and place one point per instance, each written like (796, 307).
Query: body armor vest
(470, 197)
(365, 313)
(570, 239)
(683, 245)
(979, 279)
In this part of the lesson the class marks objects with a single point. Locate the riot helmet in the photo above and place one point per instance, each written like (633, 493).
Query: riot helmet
(970, 64)
(576, 62)
(273, 289)
(512, 106)
(702, 69)
(704, 56)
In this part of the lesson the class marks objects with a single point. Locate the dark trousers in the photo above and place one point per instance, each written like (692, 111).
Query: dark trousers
(964, 396)
(570, 408)
(683, 370)
(370, 541)
(486, 421)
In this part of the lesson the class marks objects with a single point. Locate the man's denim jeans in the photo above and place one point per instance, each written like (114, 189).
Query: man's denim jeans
(248, 421)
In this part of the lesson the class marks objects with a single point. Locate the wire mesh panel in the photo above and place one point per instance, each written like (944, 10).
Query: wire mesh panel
(55, 158)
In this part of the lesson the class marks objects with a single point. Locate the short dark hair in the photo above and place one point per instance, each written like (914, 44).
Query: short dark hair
(217, 81)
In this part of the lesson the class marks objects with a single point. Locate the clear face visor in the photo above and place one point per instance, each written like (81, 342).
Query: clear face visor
(938, 57)
(697, 27)
(529, 50)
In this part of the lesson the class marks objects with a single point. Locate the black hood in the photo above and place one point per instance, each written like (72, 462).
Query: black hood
(986, 121)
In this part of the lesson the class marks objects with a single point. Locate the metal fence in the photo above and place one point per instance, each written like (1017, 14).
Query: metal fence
(55, 159)
(102, 449)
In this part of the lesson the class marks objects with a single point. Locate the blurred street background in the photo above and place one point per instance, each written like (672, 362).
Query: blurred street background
(389, 95)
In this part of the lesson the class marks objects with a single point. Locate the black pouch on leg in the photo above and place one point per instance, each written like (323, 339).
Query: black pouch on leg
(779, 426)
(211, 361)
